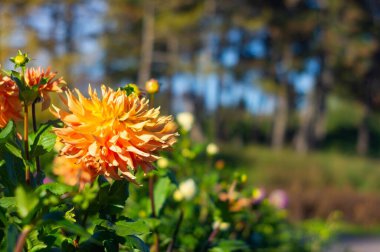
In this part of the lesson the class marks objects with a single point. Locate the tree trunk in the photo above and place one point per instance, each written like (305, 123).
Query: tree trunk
(280, 121)
(147, 46)
(363, 133)
(312, 126)
(173, 46)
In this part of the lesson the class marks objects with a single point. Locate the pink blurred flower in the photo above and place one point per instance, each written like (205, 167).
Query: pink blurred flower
(278, 198)
(47, 180)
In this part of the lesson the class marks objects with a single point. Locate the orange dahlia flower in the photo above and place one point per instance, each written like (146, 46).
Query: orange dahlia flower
(117, 132)
(51, 84)
(73, 172)
(10, 105)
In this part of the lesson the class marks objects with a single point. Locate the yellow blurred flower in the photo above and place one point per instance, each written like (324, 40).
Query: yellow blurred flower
(72, 172)
(117, 132)
(46, 80)
(177, 196)
(212, 149)
(221, 225)
(163, 163)
(152, 86)
(10, 105)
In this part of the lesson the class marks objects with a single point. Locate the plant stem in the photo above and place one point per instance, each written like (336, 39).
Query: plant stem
(34, 119)
(26, 144)
(151, 98)
(153, 208)
(151, 195)
(76, 241)
(212, 236)
(172, 243)
(22, 238)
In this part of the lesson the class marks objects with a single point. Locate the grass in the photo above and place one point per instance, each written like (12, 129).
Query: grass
(283, 169)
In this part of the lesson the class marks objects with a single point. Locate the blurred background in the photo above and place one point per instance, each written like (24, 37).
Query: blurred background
(288, 89)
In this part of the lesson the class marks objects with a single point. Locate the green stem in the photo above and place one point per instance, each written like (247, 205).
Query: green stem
(172, 243)
(26, 144)
(76, 241)
(34, 119)
(151, 195)
(151, 100)
(152, 177)
(210, 239)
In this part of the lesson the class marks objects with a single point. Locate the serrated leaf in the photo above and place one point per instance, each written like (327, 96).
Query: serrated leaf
(134, 242)
(124, 228)
(7, 202)
(44, 141)
(34, 244)
(6, 132)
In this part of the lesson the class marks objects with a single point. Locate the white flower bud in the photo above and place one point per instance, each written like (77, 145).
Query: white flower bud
(185, 120)
(212, 149)
(187, 189)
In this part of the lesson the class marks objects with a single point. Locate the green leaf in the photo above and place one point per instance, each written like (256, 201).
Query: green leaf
(34, 243)
(134, 242)
(111, 245)
(55, 188)
(161, 192)
(44, 140)
(12, 173)
(12, 234)
(57, 219)
(73, 228)
(112, 198)
(14, 150)
(26, 202)
(124, 228)
(6, 132)
(7, 202)
(229, 246)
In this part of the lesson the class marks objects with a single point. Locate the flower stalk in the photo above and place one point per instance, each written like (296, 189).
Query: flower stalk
(152, 87)
(175, 234)
(26, 144)
(34, 119)
(22, 238)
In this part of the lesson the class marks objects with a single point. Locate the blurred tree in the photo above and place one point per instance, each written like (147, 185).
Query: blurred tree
(290, 34)
(147, 41)
(355, 62)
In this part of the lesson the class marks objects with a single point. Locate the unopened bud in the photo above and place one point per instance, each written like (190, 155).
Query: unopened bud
(152, 86)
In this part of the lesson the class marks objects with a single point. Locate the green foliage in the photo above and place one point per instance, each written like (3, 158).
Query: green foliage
(126, 228)
(198, 206)
(43, 140)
